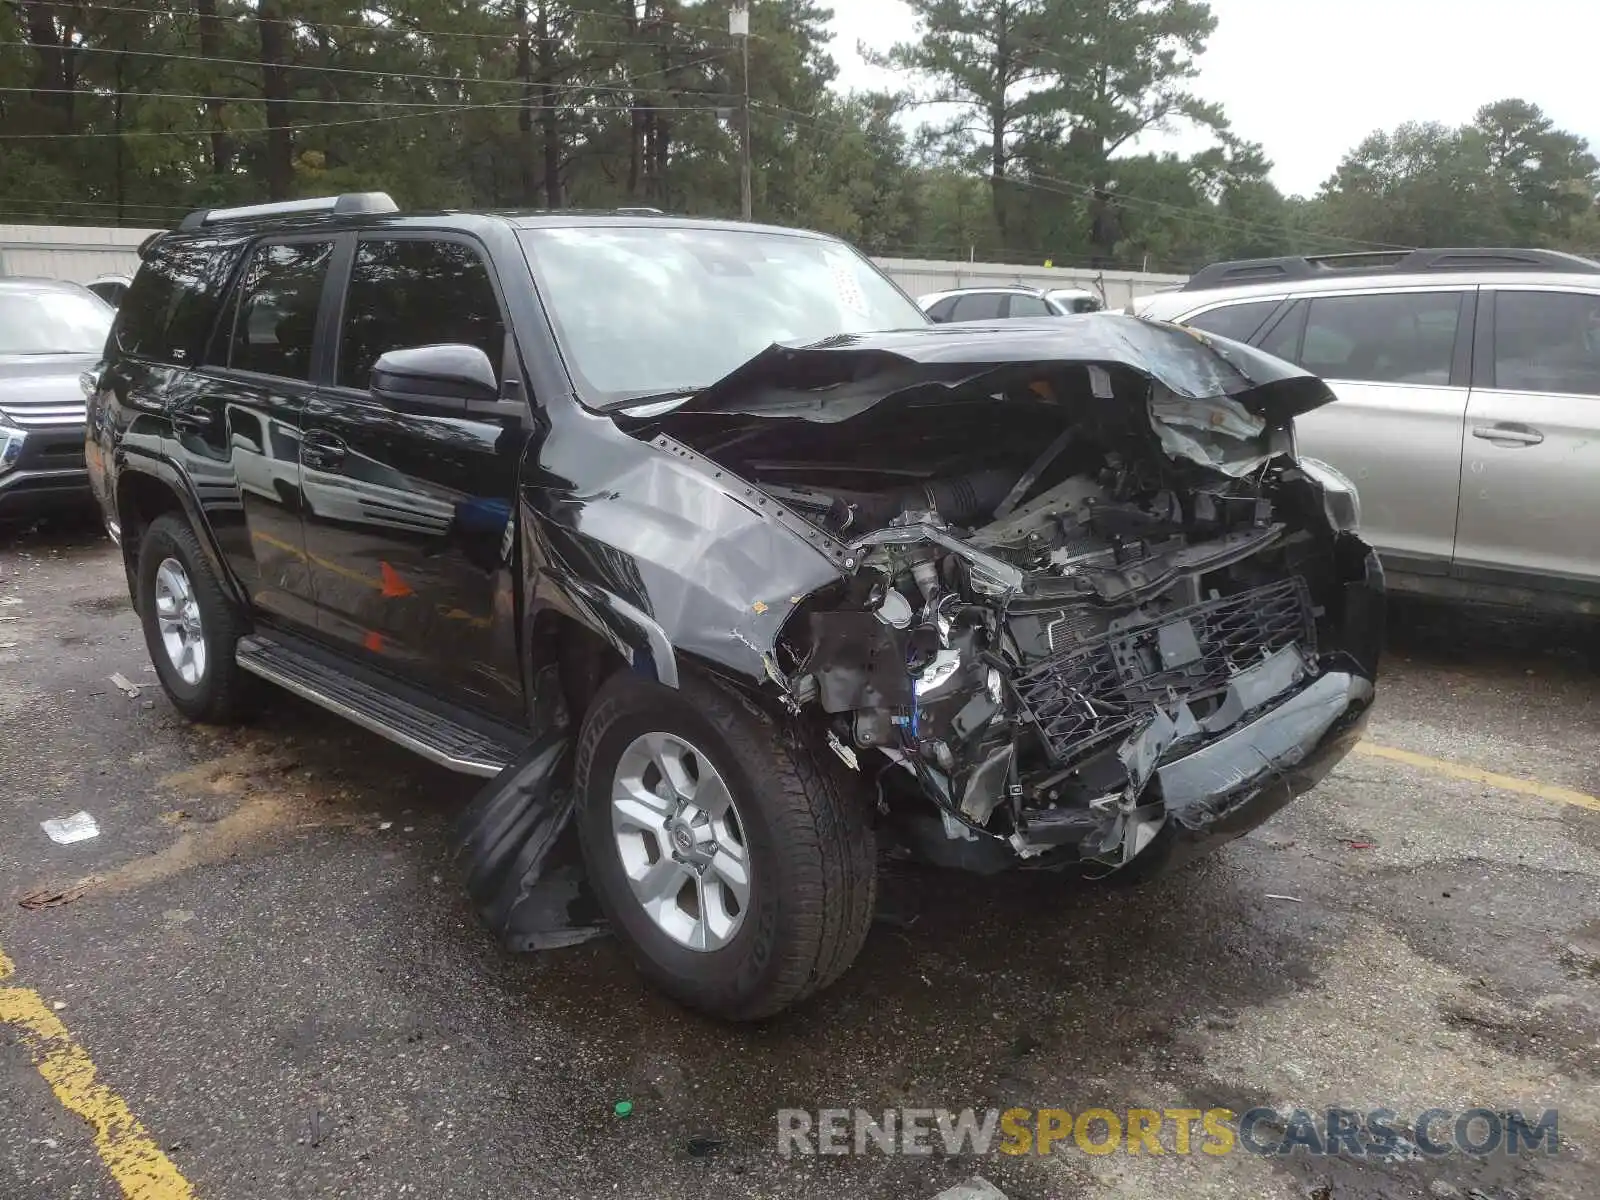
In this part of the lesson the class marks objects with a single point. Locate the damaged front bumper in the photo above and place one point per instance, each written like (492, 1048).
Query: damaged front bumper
(1231, 786)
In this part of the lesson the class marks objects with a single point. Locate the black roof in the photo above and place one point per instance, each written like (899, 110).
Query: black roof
(1386, 262)
(377, 209)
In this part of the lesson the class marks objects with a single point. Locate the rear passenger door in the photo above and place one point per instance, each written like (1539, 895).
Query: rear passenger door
(1531, 484)
(410, 511)
(1023, 307)
(1399, 363)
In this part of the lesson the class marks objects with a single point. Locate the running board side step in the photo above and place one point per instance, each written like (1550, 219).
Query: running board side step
(422, 730)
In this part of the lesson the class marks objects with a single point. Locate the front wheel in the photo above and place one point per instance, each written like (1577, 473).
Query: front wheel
(730, 858)
(190, 625)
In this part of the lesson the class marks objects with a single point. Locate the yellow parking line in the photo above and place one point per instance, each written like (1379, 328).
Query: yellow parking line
(137, 1164)
(1506, 783)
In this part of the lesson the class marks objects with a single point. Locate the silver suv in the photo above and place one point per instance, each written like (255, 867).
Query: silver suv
(1469, 404)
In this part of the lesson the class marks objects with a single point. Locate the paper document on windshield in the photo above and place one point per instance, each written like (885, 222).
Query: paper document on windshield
(845, 284)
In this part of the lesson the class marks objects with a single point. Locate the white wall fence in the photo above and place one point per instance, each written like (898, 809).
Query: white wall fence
(73, 252)
(81, 254)
(1118, 288)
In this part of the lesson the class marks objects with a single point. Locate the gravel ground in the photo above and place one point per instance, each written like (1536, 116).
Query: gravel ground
(274, 966)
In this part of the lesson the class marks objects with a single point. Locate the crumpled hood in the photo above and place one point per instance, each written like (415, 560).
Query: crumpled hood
(842, 377)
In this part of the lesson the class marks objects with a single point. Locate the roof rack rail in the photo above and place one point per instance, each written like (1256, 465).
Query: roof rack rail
(347, 205)
(1386, 262)
(637, 211)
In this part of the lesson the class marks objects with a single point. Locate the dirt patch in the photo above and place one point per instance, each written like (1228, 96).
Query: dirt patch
(276, 802)
(101, 605)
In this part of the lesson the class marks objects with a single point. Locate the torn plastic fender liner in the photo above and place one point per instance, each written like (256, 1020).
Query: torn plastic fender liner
(520, 855)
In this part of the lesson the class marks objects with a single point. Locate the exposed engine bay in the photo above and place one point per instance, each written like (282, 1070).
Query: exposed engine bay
(1082, 614)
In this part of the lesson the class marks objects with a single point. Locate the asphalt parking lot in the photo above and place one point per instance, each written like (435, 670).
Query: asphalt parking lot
(264, 970)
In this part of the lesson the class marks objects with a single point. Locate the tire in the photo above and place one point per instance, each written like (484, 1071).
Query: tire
(219, 693)
(806, 838)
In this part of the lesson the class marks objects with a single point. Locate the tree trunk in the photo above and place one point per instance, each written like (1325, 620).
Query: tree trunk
(636, 120)
(271, 26)
(525, 160)
(119, 166)
(54, 76)
(663, 123)
(211, 47)
(999, 120)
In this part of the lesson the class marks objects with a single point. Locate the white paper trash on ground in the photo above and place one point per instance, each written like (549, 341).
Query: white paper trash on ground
(976, 1188)
(79, 827)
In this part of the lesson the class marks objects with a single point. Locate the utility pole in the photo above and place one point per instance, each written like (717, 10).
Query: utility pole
(739, 27)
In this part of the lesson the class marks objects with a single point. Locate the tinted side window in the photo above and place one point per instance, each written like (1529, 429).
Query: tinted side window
(942, 310)
(1240, 322)
(276, 322)
(1547, 342)
(407, 293)
(1383, 339)
(978, 308)
(173, 303)
(1283, 339)
(1029, 306)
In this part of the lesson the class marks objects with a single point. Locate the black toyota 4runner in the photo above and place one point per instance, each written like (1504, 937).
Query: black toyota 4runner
(703, 535)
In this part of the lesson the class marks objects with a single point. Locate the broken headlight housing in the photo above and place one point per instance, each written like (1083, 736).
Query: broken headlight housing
(11, 441)
(1342, 500)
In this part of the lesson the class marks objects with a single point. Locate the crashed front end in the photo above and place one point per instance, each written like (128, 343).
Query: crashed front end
(1094, 611)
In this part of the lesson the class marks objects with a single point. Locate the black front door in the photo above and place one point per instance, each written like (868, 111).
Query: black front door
(409, 515)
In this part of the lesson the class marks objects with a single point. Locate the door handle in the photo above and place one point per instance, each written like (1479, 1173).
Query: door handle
(1520, 434)
(322, 451)
(196, 420)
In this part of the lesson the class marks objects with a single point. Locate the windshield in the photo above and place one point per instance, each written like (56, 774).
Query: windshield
(50, 322)
(651, 311)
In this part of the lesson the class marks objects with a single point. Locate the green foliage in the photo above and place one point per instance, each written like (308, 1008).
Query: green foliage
(1015, 138)
(1508, 178)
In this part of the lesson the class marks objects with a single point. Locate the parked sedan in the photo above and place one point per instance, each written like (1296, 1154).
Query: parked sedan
(50, 334)
(1007, 303)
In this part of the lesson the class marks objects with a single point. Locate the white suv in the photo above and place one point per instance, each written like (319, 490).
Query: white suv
(1469, 404)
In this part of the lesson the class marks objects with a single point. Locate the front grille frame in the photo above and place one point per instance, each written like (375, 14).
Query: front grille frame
(1111, 685)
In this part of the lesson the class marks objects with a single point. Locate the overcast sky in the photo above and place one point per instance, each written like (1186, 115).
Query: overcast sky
(1308, 79)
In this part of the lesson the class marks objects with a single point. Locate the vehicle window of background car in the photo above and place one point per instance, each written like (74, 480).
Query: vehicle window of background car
(1398, 338)
(1547, 342)
(639, 311)
(172, 304)
(1029, 306)
(942, 310)
(405, 292)
(1283, 339)
(1237, 321)
(49, 321)
(277, 318)
(985, 306)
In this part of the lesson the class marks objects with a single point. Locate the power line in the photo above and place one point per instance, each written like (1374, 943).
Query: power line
(1253, 226)
(237, 131)
(460, 80)
(1039, 182)
(408, 31)
(97, 93)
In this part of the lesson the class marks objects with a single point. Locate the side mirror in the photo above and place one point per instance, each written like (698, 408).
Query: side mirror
(449, 379)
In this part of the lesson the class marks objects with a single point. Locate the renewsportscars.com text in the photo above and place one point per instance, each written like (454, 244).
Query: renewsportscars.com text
(1347, 1132)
